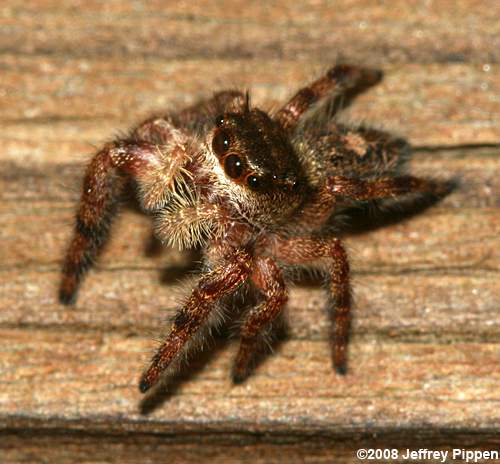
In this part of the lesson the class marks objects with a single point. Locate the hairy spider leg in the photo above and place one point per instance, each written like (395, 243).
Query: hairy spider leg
(343, 81)
(303, 250)
(352, 152)
(341, 187)
(150, 165)
(384, 187)
(157, 130)
(221, 281)
(358, 153)
(268, 278)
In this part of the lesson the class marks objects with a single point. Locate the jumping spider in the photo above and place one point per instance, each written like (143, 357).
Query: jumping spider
(258, 192)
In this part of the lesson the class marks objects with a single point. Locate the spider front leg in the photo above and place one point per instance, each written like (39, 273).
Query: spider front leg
(342, 81)
(303, 250)
(268, 278)
(157, 130)
(153, 167)
(221, 281)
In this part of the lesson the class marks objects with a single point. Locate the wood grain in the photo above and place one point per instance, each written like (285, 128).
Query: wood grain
(425, 351)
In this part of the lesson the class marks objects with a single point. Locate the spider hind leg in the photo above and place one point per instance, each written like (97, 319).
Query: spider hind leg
(342, 82)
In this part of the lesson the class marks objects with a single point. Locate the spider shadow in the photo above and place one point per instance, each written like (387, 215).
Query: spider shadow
(220, 340)
(162, 392)
(268, 344)
(373, 215)
(170, 274)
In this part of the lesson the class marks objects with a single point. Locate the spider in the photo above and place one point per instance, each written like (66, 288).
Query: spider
(259, 192)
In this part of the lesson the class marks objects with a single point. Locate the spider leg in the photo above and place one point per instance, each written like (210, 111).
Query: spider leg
(339, 188)
(301, 250)
(352, 152)
(384, 187)
(268, 278)
(153, 167)
(211, 287)
(343, 81)
(158, 130)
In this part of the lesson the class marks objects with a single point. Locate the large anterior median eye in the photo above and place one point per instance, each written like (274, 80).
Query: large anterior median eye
(221, 142)
(233, 166)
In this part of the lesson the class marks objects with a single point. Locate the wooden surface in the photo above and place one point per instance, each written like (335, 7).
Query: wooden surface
(425, 351)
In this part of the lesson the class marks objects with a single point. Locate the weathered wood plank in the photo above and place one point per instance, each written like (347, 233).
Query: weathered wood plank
(428, 242)
(95, 376)
(68, 448)
(459, 233)
(446, 306)
(429, 104)
(410, 307)
(406, 32)
(475, 168)
(438, 269)
(252, 448)
(425, 351)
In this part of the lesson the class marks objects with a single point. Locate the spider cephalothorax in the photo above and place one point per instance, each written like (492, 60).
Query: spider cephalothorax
(262, 175)
(257, 191)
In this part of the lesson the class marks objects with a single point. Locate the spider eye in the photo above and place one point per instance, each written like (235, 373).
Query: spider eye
(233, 166)
(221, 143)
(219, 120)
(253, 182)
